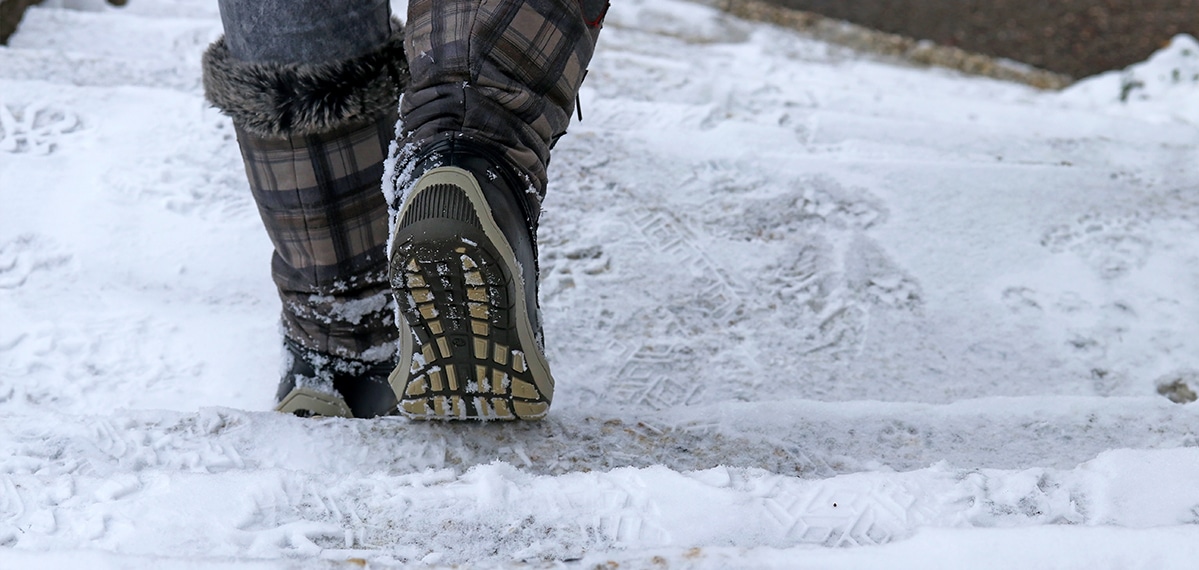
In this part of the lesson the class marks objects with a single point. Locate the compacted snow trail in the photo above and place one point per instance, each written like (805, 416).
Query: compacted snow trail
(796, 298)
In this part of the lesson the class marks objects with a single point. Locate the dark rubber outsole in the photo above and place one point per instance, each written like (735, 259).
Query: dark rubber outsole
(468, 349)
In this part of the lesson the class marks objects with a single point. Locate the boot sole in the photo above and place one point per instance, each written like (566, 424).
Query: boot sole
(468, 350)
(305, 402)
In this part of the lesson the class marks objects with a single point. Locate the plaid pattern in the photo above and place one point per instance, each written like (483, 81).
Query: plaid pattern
(504, 72)
(319, 198)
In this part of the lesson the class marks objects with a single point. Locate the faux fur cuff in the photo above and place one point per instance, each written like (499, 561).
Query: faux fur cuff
(276, 100)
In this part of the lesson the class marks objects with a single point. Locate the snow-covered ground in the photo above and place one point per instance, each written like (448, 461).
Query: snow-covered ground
(806, 308)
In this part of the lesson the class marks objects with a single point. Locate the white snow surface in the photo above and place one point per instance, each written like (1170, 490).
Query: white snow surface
(805, 308)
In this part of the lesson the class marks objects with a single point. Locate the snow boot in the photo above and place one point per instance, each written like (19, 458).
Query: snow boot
(464, 270)
(314, 109)
(316, 384)
(491, 91)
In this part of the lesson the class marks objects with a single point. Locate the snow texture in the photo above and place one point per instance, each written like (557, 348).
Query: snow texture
(805, 308)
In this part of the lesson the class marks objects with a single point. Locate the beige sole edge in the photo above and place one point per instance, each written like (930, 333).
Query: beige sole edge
(319, 403)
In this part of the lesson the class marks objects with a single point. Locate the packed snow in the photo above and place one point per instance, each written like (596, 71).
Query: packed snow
(806, 307)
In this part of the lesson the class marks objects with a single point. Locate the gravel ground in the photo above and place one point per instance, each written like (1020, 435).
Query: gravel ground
(1073, 37)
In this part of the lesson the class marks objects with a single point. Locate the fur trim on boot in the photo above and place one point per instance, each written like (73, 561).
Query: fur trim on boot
(277, 100)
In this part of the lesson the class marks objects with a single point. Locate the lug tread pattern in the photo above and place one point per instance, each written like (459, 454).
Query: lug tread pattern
(468, 362)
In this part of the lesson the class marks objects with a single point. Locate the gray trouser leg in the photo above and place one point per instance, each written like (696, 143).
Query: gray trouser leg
(304, 31)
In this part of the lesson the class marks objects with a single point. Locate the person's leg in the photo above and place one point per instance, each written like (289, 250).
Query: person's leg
(312, 87)
(493, 86)
(304, 31)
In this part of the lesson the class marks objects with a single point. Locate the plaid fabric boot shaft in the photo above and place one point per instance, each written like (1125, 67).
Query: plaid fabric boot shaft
(505, 73)
(314, 137)
(319, 199)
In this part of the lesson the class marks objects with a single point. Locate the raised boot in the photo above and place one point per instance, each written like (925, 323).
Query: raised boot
(464, 269)
(493, 86)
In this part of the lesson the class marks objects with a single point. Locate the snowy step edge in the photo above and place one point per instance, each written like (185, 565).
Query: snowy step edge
(506, 513)
(806, 439)
(1069, 547)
